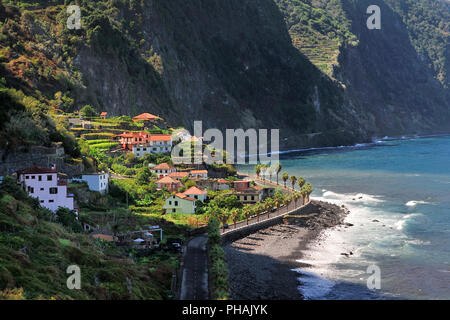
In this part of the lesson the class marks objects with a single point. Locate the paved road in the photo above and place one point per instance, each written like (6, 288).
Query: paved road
(194, 285)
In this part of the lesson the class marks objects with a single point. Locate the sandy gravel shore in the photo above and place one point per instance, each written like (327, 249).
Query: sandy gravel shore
(260, 264)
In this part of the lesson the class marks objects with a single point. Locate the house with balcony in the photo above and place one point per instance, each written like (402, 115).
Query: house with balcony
(128, 139)
(159, 143)
(48, 186)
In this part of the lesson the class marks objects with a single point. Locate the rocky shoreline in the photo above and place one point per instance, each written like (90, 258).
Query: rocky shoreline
(261, 264)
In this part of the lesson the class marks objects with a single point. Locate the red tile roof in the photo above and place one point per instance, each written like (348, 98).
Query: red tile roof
(198, 171)
(167, 180)
(194, 190)
(223, 181)
(161, 137)
(146, 116)
(103, 114)
(178, 174)
(163, 166)
(185, 197)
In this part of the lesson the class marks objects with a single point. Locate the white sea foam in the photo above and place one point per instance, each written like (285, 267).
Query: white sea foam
(347, 198)
(413, 203)
(416, 219)
(313, 286)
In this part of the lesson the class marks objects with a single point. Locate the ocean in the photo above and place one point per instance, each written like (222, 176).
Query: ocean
(398, 194)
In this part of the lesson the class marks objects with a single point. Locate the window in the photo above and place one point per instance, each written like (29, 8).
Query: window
(40, 178)
(27, 177)
(51, 201)
(144, 149)
(196, 197)
(42, 189)
(53, 190)
(33, 177)
(174, 210)
(176, 203)
(138, 149)
(170, 203)
(253, 197)
(42, 201)
(49, 178)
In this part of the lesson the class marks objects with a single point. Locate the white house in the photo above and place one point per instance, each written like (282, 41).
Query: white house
(180, 203)
(163, 169)
(196, 193)
(47, 186)
(199, 174)
(159, 143)
(96, 181)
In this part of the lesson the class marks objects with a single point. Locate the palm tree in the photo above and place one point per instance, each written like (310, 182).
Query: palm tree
(235, 216)
(263, 170)
(247, 211)
(296, 196)
(303, 192)
(258, 170)
(268, 206)
(287, 201)
(258, 209)
(300, 182)
(270, 172)
(278, 201)
(277, 169)
(224, 215)
(293, 180)
(309, 190)
(285, 178)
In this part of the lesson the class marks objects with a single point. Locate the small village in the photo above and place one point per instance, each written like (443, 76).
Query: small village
(127, 195)
(128, 172)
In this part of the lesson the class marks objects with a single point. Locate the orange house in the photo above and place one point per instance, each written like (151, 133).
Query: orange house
(128, 139)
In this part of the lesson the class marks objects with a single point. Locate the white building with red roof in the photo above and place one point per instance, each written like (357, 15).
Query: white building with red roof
(163, 169)
(199, 174)
(157, 143)
(180, 203)
(196, 193)
(49, 187)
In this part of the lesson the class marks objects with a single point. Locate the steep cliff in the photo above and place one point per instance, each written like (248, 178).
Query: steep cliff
(235, 63)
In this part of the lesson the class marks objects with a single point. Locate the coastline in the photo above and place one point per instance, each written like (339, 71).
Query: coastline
(261, 265)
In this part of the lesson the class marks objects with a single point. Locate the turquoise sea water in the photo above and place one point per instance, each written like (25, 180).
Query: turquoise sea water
(398, 192)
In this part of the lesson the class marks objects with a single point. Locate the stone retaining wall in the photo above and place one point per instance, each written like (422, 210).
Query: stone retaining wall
(242, 232)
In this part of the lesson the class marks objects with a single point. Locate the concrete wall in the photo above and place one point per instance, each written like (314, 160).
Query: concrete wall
(242, 232)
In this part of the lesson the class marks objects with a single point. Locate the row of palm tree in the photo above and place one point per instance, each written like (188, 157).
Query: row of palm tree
(264, 169)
